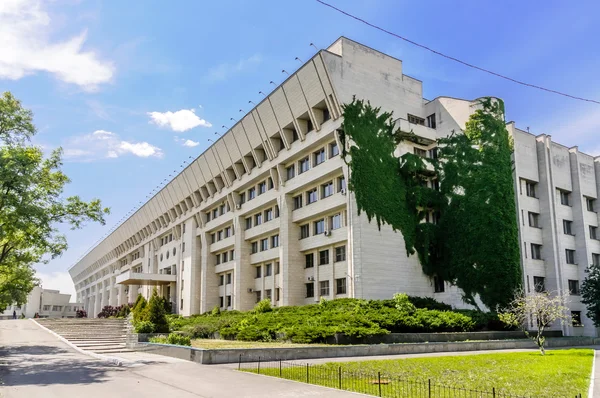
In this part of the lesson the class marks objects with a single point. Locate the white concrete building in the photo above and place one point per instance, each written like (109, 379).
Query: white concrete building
(264, 212)
(46, 303)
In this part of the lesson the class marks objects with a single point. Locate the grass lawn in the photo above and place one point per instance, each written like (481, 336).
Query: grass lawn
(225, 344)
(560, 373)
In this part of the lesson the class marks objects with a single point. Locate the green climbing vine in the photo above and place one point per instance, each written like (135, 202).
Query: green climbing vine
(474, 243)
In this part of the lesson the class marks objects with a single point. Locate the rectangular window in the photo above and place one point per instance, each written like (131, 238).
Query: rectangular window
(324, 288)
(277, 268)
(268, 215)
(341, 184)
(340, 253)
(268, 269)
(262, 187)
(433, 154)
(225, 256)
(431, 121)
(215, 213)
(221, 301)
(277, 294)
(565, 197)
(531, 189)
(568, 227)
(264, 244)
(573, 287)
(297, 202)
(596, 259)
(229, 278)
(213, 238)
(326, 190)
(591, 204)
(304, 231)
(254, 248)
(319, 227)
(222, 209)
(335, 221)
(257, 219)
(416, 120)
(334, 150)
(576, 318)
(290, 172)
(570, 256)
(340, 286)
(274, 241)
(251, 193)
(420, 152)
(593, 232)
(438, 285)
(221, 280)
(270, 184)
(303, 165)
(326, 115)
(232, 254)
(534, 220)
(219, 235)
(309, 260)
(218, 259)
(276, 211)
(258, 271)
(310, 290)
(536, 251)
(242, 198)
(323, 257)
(227, 232)
(295, 136)
(539, 284)
(268, 294)
(311, 196)
(319, 157)
(248, 222)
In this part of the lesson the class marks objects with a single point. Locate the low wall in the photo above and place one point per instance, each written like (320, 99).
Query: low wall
(273, 354)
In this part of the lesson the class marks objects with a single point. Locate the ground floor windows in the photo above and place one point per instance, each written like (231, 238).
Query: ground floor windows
(340, 286)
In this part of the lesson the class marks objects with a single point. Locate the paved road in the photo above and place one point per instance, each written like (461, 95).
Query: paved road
(34, 363)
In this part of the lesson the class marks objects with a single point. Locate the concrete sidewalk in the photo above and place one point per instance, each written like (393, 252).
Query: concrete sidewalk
(34, 363)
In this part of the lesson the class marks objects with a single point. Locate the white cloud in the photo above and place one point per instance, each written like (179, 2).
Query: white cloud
(58, 281)
(105, 144)
(187, 143)
(26, 48)
(225, 70)
(179, 121)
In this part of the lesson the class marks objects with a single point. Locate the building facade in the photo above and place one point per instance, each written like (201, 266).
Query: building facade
(46, 303)
(265, 212)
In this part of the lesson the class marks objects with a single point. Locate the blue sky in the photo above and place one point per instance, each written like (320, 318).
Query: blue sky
(131, 89)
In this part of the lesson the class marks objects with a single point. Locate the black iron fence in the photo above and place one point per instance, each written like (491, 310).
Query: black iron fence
(377, 384)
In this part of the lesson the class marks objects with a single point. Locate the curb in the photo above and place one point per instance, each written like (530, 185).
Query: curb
(593, 377)
(112, 360)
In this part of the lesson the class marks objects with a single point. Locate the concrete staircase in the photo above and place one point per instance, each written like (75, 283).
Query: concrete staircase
(101, 336)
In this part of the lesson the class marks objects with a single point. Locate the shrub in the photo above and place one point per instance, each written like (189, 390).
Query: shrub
(144, 327)
(263, 306)
(158, 339)
(80, 314)
(179, 339)
(429, 303)
(155, 313)
(139, 309)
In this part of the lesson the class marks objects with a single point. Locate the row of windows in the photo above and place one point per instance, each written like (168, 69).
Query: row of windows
(323, 257)
(222, 234)
(267, 269)
(318, 157)
(225, 279)
(323, 191)
(426, 153)
(223, 257)
(217, 211)
(263, 244)
(340, 288)
(262, 217)
(166, 239)
(268, 294)
(257, 190)
(539, 285)
(167, 254)
(565, 196)
(322, 226)
(429, 122)
(570, 255)
(534, 222)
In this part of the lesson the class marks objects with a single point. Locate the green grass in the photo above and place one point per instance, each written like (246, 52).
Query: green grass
(560, 373)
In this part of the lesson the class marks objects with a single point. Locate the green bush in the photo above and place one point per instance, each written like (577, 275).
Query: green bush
(144, 327)
(158, 339)
(139, 309)
(172, 338)
(263, 306)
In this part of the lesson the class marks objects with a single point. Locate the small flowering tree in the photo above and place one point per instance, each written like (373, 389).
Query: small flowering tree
(544, 308)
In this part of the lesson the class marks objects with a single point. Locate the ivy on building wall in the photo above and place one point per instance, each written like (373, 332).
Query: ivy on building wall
(474, 243)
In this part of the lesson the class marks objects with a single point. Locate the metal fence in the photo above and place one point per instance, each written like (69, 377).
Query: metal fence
(376, 384)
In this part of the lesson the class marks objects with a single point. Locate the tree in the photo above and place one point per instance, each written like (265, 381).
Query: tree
(31, 204)
(543, 308)
(156, 314)
(590, 293)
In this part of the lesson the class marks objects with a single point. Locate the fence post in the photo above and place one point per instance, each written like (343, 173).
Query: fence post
(340, 376)
(240, 362)
(307, 373)
(494, 392)
(280, 368)
(429, 386)
(379, 382)
(258, 366)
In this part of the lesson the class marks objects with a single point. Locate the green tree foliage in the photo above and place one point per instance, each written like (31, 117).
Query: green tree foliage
(590, 294)
(32, 204)
(155, 313)
(475, 243)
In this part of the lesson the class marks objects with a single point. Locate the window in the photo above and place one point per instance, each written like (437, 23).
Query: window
(290, 172)
(277, 294)
(326, 115)
(257, 219)
(304, 231)
(297, 202)
(262, 188)
(591, 204)
(539, 284)
(536, 251)
(310, 290)
(268, 294)
(274, 241)
(568, 227)
(218, 259)
(225, 257)
(334, 150)
(254, 247)
(227, 232)
(593, 232)
(431, 121)
(416, 120)
(576, 318)
(341, 183)
(294, 135)
(264, 244)
(324, 288)
(326, 190)
(433, 154)
(565, 197)
(335, 221)
(220, 235)
(229, 278)
(228, 301)
(242, 198)
(319, 157)
(231, 255)
(303, 165)
(570, 255)
(277, 268)
(251, 193)
(258, 294)
(221, 280)
(438, 285)
(268, 269)
(323, 257)
(221, 301)
(46, 308)
(530, 187)
(183, 248)
(248, 222)
(573, 287)
(420, 152)
(534, 220)
(596, 259)
(309, 260)
(311, 196)
(276, 211)
(215, 213)
(340, 253)
(319, 227)
(268, 215)
(259, 271)
(270, 183)
(222, 209)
